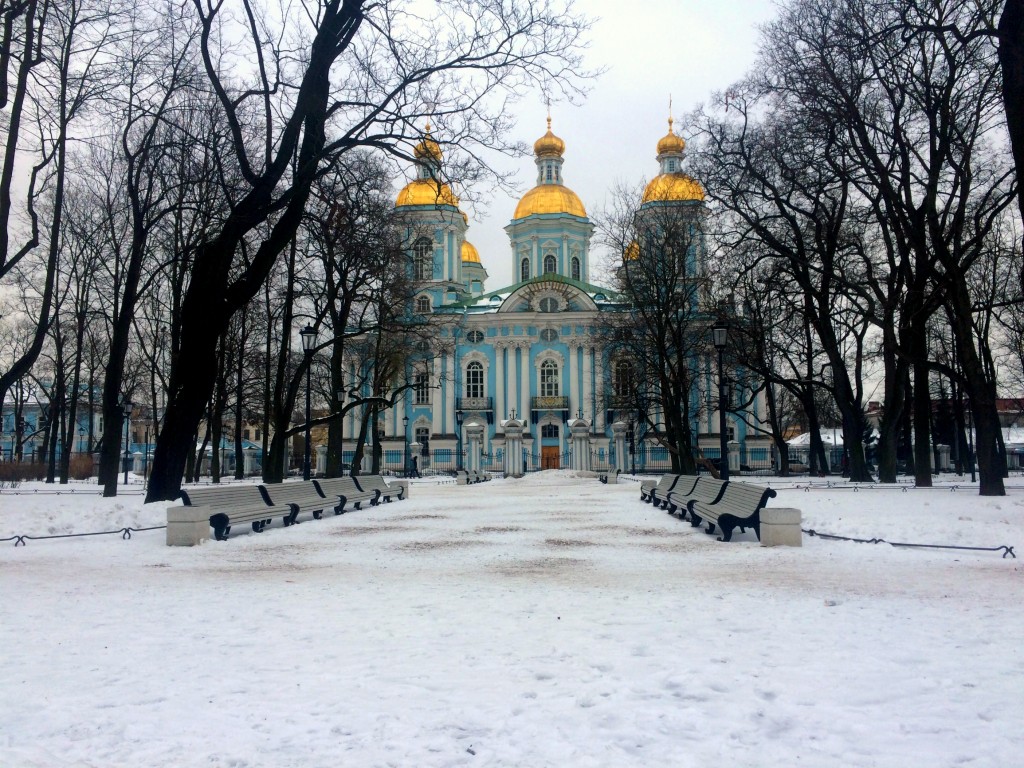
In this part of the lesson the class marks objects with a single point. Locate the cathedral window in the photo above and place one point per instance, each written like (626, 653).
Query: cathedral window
(623, 381)
(549, 304)
(576, 269)
(524, 270)
(549, 384)
(474, 380)
(549, 430)
(423, 304)
(424, 259)
(548, 175)
(421, 385)
(671, 166)
(550, 263)
(423, 438)
(549, 335)
(475, 337)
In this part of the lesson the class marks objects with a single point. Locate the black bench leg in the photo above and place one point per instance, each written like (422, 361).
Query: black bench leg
(341, 505)
(727, 529)
(219, 523)
(711, 529)
(317, 514)
(257, 526)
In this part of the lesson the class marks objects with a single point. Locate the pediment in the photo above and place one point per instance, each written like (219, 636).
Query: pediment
(547, 296)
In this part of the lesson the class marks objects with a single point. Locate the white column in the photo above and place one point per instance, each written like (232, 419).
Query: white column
(524, 383)
(450, 409)
(436, 406)
(588, 384)
(573, 391)
(599, 385)
(499, 383)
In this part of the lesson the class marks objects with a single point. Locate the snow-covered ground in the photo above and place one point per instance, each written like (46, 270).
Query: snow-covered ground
(548, 621)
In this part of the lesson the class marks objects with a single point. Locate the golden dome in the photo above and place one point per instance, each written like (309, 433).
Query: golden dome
(672, 187)
(427, 149)
(426, 192)
(549, 198)
(670, 143)
(549, 144)
(632, 252)
(469, 252)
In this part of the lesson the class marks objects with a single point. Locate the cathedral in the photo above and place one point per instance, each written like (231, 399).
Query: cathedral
(524, 363)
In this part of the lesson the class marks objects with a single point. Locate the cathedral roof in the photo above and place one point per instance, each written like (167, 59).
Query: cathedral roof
(549, 145)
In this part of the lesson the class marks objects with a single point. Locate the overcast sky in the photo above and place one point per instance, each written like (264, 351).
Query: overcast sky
(651, 48)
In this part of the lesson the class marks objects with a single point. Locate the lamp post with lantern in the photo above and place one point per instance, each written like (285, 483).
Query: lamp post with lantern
(126, 408)
(308, 335)
(720, 336)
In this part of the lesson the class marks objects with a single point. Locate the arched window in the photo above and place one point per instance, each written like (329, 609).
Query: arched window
(671, 166)
(576, 268)
(550, 263)
(549, 430)
(474, 380)
(549, 379)
(423, 304)
(424, 259)
(524, 270)
(548, 304)
(548, 175)
(623, 382)
(421, 384)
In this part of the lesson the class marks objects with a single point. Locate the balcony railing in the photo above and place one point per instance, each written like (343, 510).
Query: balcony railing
(550, 403)
(475, 404)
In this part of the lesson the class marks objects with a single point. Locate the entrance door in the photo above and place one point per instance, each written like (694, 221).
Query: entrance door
(549, 457)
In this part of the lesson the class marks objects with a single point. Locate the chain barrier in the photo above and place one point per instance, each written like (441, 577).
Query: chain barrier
(126, 533)
(1006, 550)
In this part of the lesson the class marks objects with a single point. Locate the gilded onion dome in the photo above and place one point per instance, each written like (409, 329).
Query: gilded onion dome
(427, 149)
(550, 198)
(670, 143)
(549, 145)
(632, 252)
(469, 252)
(672, 185)
(426, 189)
(426, 192)
(550, 195)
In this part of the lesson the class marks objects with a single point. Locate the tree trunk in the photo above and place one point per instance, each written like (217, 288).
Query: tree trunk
(1011, 60)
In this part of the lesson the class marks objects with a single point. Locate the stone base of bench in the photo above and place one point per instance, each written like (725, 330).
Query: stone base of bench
(780, 527)
(187, 526)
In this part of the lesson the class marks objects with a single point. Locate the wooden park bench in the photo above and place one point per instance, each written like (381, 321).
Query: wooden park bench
(649, 489)
(377, 483)
(303, 496)
(703, 488)
(738, 507)
(345, 491)
(236, 504)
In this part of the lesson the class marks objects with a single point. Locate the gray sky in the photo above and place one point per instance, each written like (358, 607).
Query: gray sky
(651, 48)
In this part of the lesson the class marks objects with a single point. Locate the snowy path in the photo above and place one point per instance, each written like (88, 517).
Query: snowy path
(545, 621)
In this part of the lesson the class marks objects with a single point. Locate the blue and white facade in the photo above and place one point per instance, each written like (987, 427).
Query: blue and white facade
(531, 355)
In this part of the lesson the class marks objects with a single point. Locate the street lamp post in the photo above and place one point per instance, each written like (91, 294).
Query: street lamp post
(631, 437)
(405, 436)
(459, 416)
(126, 407)
(720, 335)
(339, 395)
(308, 335)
